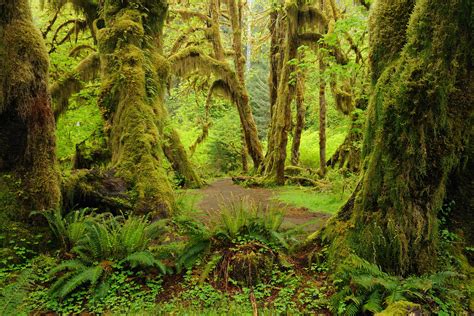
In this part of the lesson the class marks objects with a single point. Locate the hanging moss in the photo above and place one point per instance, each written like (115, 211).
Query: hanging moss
(194, 59)
(62, 90)
(419, 111)
(27, 124)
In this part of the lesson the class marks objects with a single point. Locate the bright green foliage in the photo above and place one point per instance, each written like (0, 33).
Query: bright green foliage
(12, 296)
(106, 244)
(364, 288)
(243, 244)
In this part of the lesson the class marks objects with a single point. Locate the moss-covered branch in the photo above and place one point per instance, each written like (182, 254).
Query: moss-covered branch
(72, 83)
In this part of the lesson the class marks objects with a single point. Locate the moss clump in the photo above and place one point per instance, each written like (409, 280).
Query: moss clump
(98, 189)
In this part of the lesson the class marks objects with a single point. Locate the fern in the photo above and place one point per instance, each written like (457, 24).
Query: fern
(67, 229)
(144, 259)
(88, 274)
(364, 287)
(106, 242)
(13, 296)
(211, 264)
(373, 303)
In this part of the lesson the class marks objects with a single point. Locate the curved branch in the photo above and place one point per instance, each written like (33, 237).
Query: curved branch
(192, 59)
(311, 15)
(62, 90)
(186, 14)
(76, 50)
(183, 37)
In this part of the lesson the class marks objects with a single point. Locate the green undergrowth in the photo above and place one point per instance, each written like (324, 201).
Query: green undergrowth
(326, 202)
(242, 261)
(328, 197)
(309, 150)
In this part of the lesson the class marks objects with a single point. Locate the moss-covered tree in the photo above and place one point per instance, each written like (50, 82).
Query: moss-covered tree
(27, 137)
(418, 115)
(229, 81)
(133, 82)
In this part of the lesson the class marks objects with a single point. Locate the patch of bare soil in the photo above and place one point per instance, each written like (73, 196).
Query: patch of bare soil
(224, 193)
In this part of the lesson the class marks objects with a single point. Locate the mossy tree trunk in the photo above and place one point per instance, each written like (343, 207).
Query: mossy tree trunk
(277, 42)
(178, 157)
(418, 115)
(134, 75)
(322, 118)
(249, 127)
(347, 155)
(274, 166)
(27, 128)
(300, 119)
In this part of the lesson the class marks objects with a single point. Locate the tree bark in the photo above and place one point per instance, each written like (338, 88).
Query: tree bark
(178, 157)
(27, 128)
(300, 120)
(415, 137)
(277, 29)
(281, 119)
(249, 126)
(322, 119)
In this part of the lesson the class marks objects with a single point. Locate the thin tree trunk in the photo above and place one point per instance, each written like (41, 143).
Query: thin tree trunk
(281, 119)
(178, 157)
(347, 156)
(27, 128)
(322, 119)
(249, 126)
(276, 29)
(243, 154)
(300, 120)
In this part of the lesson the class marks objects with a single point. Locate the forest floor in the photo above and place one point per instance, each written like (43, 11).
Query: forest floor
(223, 193)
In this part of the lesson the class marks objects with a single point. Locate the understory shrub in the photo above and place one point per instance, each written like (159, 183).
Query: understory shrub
(363, 288)
(101, 245)
(242, 246)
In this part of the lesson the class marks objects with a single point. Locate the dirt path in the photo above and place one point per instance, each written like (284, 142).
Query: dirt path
(224, 192)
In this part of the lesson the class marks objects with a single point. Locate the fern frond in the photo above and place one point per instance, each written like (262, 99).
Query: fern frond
(91, 275)
(70, 265)
(373, 303)
(211, 264)
(192, 253)
(13, 296)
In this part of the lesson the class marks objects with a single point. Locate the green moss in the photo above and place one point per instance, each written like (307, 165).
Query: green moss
(131, 96)
(27, 136)
(388, 25)
(414, 140)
